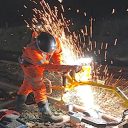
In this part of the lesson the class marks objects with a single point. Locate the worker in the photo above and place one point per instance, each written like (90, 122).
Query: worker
(44, 49)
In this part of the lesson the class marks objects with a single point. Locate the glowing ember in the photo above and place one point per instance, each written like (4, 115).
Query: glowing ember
(60, 1)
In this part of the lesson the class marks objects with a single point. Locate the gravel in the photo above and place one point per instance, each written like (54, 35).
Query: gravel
(107, 101)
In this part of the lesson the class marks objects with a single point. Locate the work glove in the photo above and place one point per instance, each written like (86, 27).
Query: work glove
(78, 68)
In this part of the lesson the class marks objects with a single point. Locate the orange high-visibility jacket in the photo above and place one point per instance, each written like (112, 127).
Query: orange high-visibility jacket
(33, 71)
(36, 57)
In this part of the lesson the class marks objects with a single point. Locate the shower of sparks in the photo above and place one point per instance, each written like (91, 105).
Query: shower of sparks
(74, 45)
(55, 25)
(113, 11)
(25, 6)
(115, 43)
(60, 1)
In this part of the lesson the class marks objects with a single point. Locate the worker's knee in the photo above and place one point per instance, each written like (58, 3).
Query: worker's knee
(40, 94)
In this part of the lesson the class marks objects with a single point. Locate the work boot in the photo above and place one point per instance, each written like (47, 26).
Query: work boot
(20, 105)
(47, 115)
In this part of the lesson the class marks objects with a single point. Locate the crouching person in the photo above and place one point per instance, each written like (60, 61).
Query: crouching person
(44, 49)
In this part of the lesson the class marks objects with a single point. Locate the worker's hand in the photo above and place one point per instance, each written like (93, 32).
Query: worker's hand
(78, 68)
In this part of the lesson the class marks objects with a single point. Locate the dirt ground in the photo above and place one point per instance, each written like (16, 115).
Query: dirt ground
(11, 77)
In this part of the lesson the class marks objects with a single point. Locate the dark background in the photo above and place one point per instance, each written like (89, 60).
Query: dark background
(106, 28)
(11, 10)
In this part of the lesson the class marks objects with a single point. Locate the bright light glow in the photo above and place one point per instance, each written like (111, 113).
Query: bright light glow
(85, 93)
(82, 95)
(86, 60)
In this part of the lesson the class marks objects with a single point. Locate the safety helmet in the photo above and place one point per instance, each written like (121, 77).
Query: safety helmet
(46, 42)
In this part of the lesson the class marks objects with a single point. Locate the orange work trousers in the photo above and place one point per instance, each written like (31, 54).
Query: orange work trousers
(39, 88)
